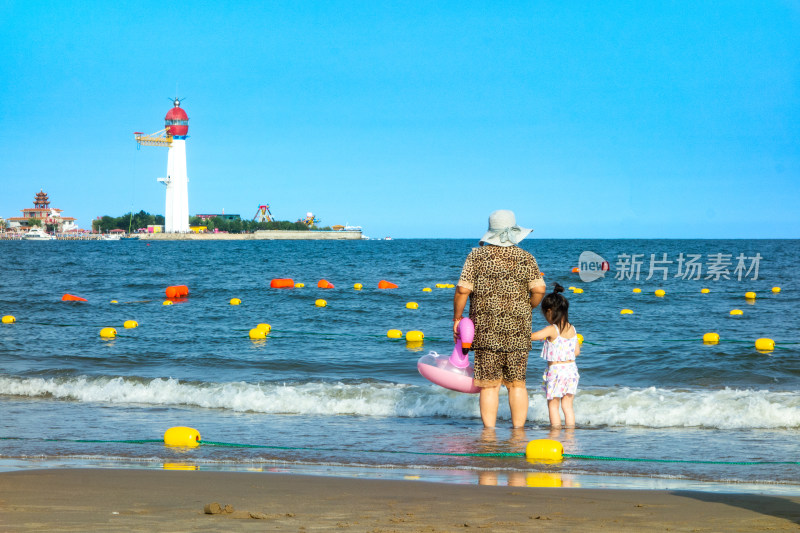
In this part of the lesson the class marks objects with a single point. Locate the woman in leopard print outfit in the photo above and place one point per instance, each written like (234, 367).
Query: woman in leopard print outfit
(503, 284)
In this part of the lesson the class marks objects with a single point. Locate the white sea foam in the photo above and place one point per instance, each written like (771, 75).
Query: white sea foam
(661, 408)
(651, 407)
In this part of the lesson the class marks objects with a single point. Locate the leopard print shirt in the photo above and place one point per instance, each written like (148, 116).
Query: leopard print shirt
(501, 279)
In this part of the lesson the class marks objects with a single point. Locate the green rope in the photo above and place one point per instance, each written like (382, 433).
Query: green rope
(453, 454)
(133, 441)
(280, 332)
(639, 460)
(334, 334)
(405, 452)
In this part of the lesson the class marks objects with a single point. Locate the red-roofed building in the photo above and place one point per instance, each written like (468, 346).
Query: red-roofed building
(49, 218)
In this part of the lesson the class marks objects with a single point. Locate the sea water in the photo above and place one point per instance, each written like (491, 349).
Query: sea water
(328, 393)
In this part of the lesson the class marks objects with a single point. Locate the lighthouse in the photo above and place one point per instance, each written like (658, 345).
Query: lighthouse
(173, 136)
(176, 213)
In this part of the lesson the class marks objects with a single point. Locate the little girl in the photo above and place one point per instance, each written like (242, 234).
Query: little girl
(560, 350)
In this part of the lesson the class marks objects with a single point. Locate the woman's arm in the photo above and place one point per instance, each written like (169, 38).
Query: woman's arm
(459, 303)
(537, 293)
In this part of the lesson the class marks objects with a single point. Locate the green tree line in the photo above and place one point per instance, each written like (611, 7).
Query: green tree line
(248, 226)
(133, 221)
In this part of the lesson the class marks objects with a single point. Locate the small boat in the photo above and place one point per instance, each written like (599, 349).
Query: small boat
(110, 237)
(38, 234)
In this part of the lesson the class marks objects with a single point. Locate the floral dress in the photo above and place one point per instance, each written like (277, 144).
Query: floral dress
(560, 379)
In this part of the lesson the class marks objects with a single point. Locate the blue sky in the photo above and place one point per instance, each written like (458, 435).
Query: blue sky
(415, 119)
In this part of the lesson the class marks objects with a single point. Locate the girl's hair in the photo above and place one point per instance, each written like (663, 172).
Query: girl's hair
(558, 307)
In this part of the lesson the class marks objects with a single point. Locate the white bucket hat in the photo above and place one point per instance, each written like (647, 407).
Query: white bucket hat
(503, 229)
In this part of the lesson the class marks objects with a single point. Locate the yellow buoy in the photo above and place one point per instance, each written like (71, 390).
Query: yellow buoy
(257, 333)
(660, 293)
(580, 338)
(750, 295)
(577, 290)
(264, 327)
(235, 301)
(544, 450)
(414, 336)
(412, 305)
(737, 312)
(440, 285)
(320, 303)
(711, 338)
(114, 302)
(765, 345)
(705, 291)
(426, 289)
(182, 436)
(108, 333)
(9, 319)
(571, 288)
(450, 286)
(626, 312)
(637, 290)
(394, 334)
(130, 324)
(358, 286)
(776, 290)
(167, 302)
(299, 285)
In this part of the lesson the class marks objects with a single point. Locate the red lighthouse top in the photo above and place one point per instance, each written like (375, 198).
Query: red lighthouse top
(176, 121)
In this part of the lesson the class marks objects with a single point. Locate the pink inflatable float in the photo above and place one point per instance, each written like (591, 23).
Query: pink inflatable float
(452, 372)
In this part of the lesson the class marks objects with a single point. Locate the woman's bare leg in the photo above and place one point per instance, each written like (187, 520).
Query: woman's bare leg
(518, 402)
(489, 401)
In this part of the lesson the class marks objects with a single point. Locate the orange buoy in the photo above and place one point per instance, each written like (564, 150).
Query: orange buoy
(282, 283)
(575, 270)
(324, 284)
(383, 284)
(177, 291)
(72, 298)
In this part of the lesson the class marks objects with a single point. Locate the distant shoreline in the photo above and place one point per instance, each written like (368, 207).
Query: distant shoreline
(296, 235)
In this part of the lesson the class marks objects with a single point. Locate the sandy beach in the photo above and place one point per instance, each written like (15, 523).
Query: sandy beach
(146, 500)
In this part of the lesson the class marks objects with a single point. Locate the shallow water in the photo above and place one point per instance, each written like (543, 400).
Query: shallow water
(327, 390)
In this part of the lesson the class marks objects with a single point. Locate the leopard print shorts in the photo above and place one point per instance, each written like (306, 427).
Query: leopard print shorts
(493, 368)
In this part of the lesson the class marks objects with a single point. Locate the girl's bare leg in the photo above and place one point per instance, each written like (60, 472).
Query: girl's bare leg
(555, 416)
(569, 413)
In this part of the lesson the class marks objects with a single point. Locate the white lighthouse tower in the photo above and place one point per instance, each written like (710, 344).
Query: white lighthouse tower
(176, 129)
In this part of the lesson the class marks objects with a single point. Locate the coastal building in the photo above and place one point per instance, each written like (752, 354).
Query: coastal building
(41, 214)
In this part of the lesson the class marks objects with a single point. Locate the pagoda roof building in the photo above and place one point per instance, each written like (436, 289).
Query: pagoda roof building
(48, 216)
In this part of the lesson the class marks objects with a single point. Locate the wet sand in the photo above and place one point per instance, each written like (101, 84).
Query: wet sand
(148, 500)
